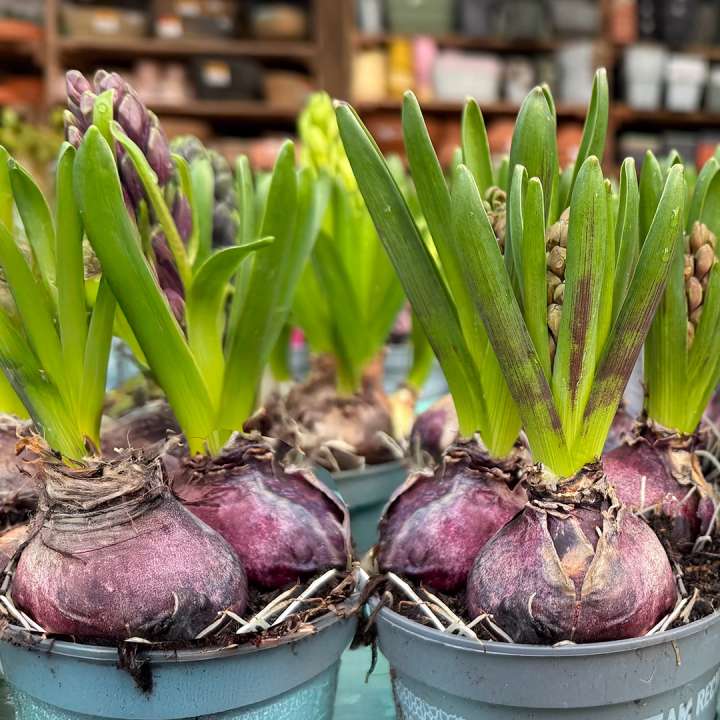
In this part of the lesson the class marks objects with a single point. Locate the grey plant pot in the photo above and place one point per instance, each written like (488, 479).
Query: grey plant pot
(668, 676)
(366, 493)
(293, 680)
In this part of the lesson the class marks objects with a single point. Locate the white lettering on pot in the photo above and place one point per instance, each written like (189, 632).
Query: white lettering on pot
(706, 696)
(683, 712)
(705, 699)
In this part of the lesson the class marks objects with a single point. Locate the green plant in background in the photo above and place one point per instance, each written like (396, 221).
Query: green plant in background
(474, 298)
(682, 357)
(349, 294)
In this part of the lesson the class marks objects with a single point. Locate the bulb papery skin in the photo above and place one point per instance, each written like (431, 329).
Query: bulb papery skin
(579, 573)
(663, 474)
(115, 555)
(436, 523)
(18, 486)
(338, 432)
(282, 521)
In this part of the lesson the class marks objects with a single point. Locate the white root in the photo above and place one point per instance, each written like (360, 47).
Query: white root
(402, 585)
(456, 623)
(307, 593)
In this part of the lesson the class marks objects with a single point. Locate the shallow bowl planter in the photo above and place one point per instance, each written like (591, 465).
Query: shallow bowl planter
(670, 676)
(366, 492)
(293, 680)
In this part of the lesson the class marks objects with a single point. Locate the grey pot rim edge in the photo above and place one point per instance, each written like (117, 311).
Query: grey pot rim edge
(109, 653)
(427, 634)
(370, 470)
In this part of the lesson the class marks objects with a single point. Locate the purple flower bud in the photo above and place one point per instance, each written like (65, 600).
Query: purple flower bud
(177, 304)
(73, 136)
(130, 179)
(87, 105)
(132, 117)
(168, 276)
(182, 215)
(158, 155)
(75, 85)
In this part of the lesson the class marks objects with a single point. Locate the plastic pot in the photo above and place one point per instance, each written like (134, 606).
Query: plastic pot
(293, 680)
(668, 676)
(366, 492)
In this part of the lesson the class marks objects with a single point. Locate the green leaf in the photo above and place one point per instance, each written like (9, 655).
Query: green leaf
(34, 313)
(37, 221)
(710, 214)
(475, 146)
(628, 333)
(534, 141)
(280, 357)
(72, 310)
(488, 284)
(703, 373)
(577, 342)
(7, 202)
(186, 188)
(418, 272)
(152, 190)
(10, 401)
(700, 192)
(95, 363)
(293, 212)
(434, 199)
(113, 237)
(203, 185)
(37, 393)
(651, 187)
(627, 234)
(596, 124)
(665, 355)
(533, 269)
(205, 312)
(422, 357)
(605, 317)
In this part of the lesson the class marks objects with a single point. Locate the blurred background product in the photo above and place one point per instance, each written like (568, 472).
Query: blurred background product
(239, 71)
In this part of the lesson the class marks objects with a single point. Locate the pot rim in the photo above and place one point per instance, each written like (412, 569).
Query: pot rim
(378, 469)
(17, 635)
(425, 633)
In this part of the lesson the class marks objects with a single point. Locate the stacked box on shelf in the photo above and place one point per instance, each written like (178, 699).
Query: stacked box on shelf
(432, 17)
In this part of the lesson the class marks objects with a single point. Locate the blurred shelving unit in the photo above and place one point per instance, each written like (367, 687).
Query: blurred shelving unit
(296, 63)
(609, 40)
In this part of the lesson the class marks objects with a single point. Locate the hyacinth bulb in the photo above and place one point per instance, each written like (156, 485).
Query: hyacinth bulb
(436, 523)
(436, 428)
(578, 573)
(283, 523)
(118, 556)
(664, 476)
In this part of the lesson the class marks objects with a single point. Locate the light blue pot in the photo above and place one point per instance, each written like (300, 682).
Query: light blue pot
(294, 680)
(668, 676)
(366, 493)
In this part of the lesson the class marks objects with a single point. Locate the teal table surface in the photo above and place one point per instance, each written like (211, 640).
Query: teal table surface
(358, 700)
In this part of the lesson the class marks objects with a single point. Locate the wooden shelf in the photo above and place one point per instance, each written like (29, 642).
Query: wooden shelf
(455, 107)
(624, 115)
(227, 110)
(466, 42)
(159, 47)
